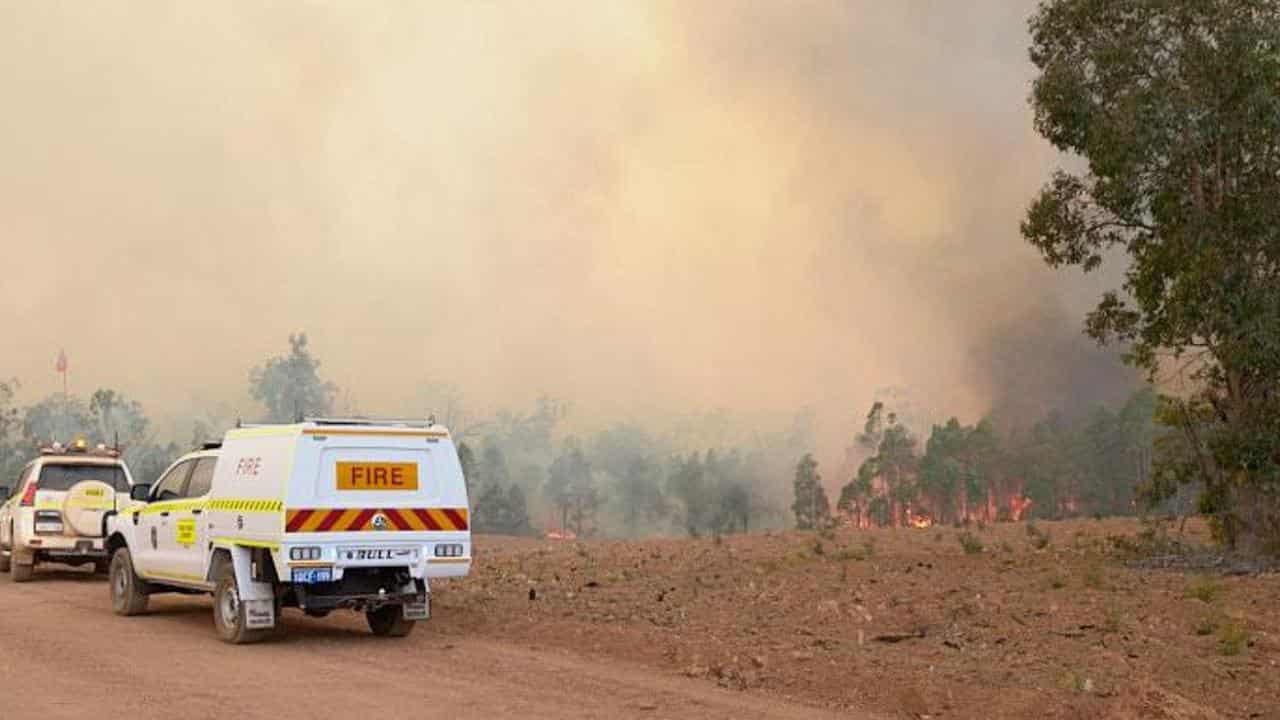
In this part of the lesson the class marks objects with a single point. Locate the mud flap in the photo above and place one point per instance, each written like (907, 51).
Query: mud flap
(258, 598)
(418, 610)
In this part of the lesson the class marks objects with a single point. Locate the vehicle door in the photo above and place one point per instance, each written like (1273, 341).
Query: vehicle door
(10, 516)
(156, 529)
(191, 523)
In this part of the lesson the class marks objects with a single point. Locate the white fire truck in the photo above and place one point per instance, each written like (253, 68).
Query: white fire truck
(320, 515)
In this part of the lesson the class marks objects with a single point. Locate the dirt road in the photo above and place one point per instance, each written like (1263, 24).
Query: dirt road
(64, 655)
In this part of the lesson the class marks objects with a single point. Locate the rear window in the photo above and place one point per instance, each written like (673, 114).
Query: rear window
(63, 477)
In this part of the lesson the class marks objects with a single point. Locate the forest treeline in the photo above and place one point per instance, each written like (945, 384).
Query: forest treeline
(528, 474)
(1059, 467)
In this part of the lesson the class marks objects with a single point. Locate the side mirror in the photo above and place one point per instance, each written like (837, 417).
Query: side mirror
(141, 491)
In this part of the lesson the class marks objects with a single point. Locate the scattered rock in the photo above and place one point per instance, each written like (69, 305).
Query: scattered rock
(892, 638)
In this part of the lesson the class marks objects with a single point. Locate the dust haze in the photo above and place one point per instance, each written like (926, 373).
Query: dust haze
(643, 208)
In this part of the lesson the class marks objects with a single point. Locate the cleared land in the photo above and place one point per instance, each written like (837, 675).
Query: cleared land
(854, 624)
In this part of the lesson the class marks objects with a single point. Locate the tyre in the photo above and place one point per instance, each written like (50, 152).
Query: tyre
(229, 613)
(128, 593)
(21, 572)
(388, 621)
(5, 558)
(101, 567)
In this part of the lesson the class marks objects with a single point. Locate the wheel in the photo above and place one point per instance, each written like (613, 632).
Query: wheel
(18, 570)
(228, 611)
(5, 558)
(128, 592)
(388, 621)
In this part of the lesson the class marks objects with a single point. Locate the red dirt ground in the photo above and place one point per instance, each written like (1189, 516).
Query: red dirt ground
(902, 622)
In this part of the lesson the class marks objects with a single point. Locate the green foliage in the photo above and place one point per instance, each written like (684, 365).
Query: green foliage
(571, 488)
(290, 386)
(1094, 576)
(1207, 626)
(1233, 638)
(886, 481)
(60, 418)
(1204, 589)
(962, 465)
(467, 459)
(501, 507)
(1039, 539)
(970, 543)
(13, 452)
(1173, 106)
(811, 508)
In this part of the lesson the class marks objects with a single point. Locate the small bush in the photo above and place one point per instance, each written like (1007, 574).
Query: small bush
(971, 544)
(1094, 577)
(818, 548)
(1075, 682)
(1057, 583)
(1207, 626)
(937, 537)
(1232, 638)
(1038, 538)
(1204, 589)
(857, 554)
(869, 547)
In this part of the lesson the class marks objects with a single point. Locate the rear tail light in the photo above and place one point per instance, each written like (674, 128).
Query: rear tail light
(448, 550)
(304, 553)
(48, 521)
(29, 495)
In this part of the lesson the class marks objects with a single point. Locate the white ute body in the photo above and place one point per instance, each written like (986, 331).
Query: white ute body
(318, 515)
(55, 509)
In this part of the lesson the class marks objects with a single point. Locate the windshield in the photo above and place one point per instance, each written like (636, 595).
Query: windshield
(63, 477)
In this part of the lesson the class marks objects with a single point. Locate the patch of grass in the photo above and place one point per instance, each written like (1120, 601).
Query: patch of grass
(1111, 619)
(1205, 589)
(971, 544)
(856, 554)
(1233, 638)
(818, 548)
(869, 547)
(1094, 576)
(1207, 626)
(1075, 682)
(1038, 538)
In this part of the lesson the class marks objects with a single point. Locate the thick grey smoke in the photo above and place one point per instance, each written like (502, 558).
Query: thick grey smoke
(641, 207)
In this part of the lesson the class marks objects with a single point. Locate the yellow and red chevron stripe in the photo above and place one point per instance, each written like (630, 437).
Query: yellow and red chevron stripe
(360, 519)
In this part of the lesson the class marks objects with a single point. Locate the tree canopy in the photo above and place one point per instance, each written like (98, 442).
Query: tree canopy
(290, 385)
(1174, 106)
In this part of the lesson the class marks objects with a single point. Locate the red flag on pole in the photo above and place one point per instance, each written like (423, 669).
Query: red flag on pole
(61, 366)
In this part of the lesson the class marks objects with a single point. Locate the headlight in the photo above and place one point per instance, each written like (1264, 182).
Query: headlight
(448, 550)
(304, 553)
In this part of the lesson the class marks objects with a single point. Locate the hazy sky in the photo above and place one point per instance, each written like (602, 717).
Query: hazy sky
(641, 207)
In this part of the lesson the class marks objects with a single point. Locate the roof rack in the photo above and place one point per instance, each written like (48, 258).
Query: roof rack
(395, 422)
(404, 422)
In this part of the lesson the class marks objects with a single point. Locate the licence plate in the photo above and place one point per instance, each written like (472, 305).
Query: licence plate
(48, 527)
(308, 576)
(377, 476)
